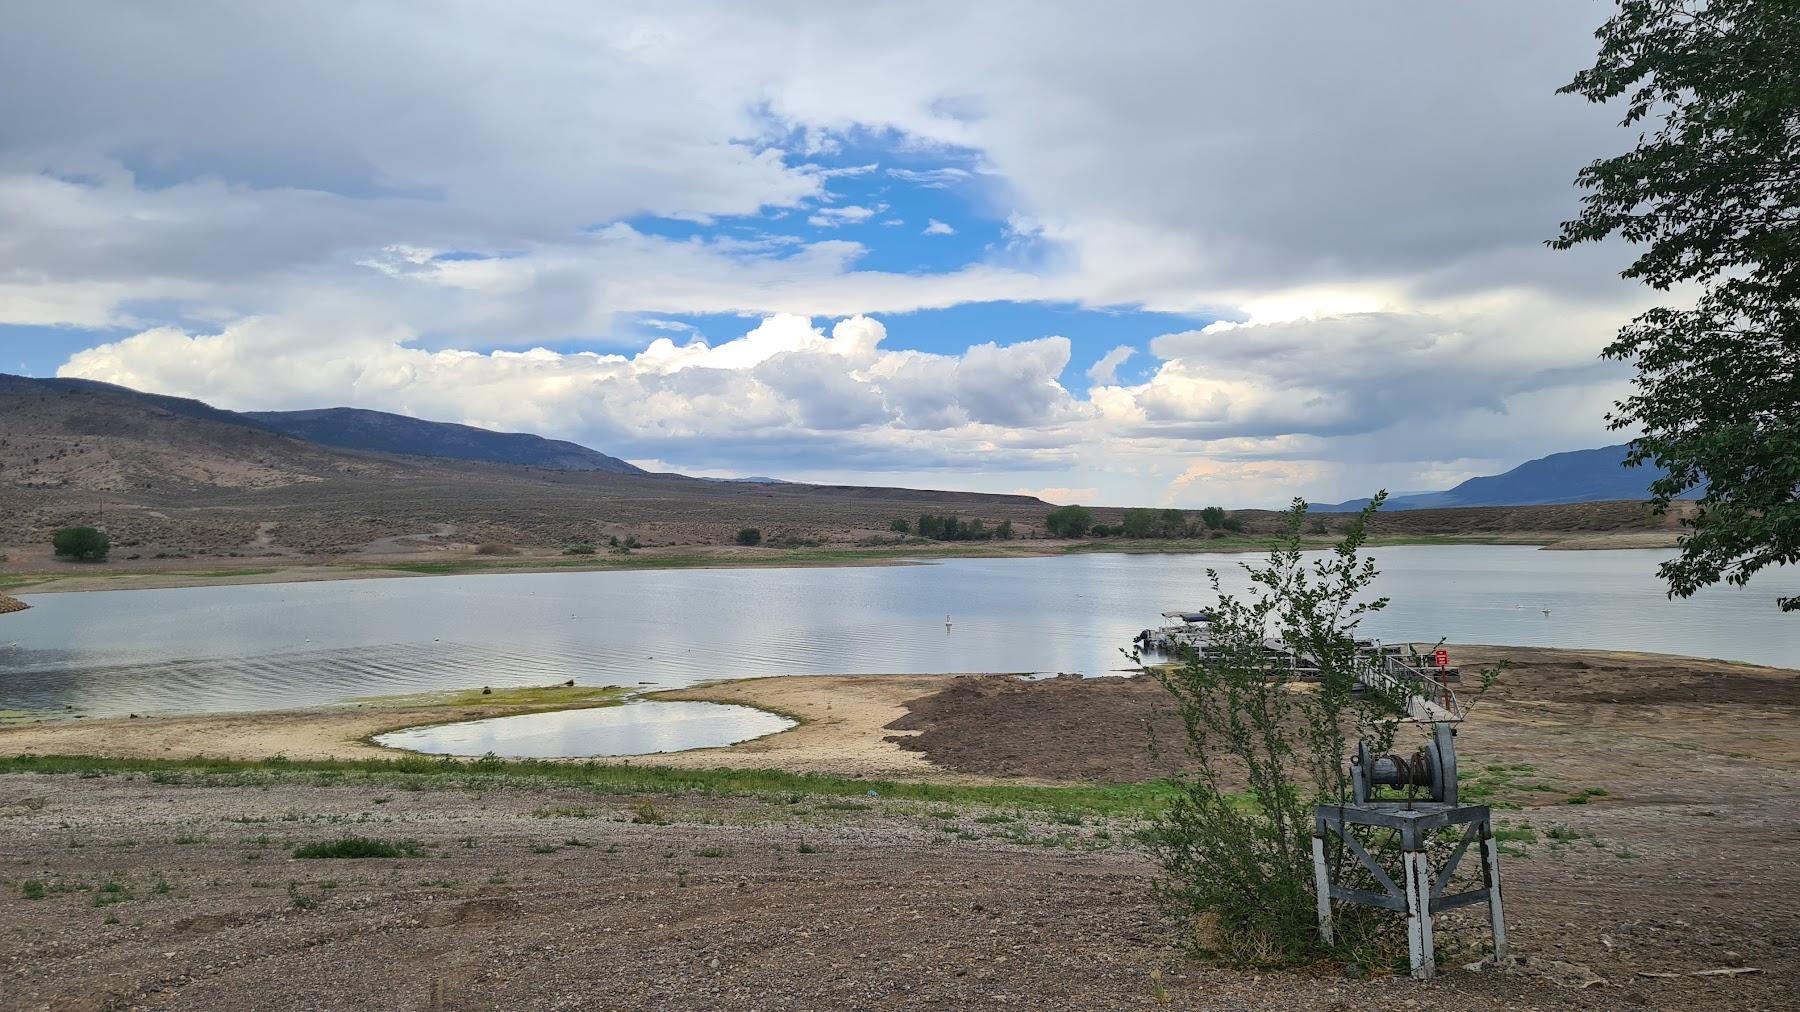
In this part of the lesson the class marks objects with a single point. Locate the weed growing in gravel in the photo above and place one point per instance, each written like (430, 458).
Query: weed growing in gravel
(32, 889)
(111, 891)
(356, 847)
(544, 848)
(712, 852)
(645, 814)
(299, 900)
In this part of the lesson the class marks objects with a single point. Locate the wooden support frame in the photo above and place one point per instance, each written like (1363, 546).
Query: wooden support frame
(1422, 891)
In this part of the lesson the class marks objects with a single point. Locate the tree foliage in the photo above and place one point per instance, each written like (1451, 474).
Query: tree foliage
(952, 528)
(1711, 195)
(83, 544)
(1069, 521)
(749, 536)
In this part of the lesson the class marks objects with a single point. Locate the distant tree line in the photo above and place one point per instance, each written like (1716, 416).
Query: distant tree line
(952, 528)
(1079, 522)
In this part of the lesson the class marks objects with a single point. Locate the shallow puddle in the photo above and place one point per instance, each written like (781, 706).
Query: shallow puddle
(632, 729)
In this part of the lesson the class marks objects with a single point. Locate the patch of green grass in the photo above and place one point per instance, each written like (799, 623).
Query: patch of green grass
(32, 889)
(1564, 834)
(1516, 835)
(353, 847)
(807, 848)
(544, 848)
(111, 891)
(534, 696)
(448, 773)
(1585, 795)
(712, 852)
(299, 900)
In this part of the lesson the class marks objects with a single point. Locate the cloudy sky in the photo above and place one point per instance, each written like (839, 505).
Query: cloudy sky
(1153, 253)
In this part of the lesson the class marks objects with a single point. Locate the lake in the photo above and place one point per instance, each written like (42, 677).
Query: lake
(288, 645)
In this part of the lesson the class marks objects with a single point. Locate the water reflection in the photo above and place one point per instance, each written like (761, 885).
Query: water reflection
(244, 648)
(642, 728)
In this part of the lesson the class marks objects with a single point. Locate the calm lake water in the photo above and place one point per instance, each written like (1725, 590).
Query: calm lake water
(243, 648)
(640, 728)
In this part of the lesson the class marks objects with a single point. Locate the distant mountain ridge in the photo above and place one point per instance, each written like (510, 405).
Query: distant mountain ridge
(1597, 475)
(383, 432)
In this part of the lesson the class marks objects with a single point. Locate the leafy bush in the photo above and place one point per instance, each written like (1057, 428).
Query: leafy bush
(952, 528)
(1244, 867)
(749, 536)
(900, 526)
(83, 544)
(1069, 521)
(355, 847)
(1213, 517)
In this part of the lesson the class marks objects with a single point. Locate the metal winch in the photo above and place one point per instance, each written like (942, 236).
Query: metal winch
(1431, 771)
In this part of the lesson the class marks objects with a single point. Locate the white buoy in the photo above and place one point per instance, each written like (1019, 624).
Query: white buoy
(946, 621)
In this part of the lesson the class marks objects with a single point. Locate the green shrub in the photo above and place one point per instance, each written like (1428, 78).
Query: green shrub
(749, 536)
(354, 847)
(1243, 864)
(83, 544)
(1069, 521)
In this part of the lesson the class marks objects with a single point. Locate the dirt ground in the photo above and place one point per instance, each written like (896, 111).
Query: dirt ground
(1651, 804)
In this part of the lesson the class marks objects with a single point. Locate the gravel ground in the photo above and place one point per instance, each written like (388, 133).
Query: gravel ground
(173, 893)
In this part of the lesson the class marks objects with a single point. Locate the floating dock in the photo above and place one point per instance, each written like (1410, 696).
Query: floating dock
(1189, 634)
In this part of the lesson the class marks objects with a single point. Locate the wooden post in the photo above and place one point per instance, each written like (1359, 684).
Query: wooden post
(1418, 914)
(1322, 887)
(1490, 877)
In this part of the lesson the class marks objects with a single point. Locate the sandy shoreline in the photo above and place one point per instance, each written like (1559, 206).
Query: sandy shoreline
(841, 731)
(857, 725)
(169, 575)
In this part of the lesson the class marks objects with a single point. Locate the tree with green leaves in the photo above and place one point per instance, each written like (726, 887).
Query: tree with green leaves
(1138, 523)
(1213, 517)
(1069, 521)
(83, 544)
(1711, 195)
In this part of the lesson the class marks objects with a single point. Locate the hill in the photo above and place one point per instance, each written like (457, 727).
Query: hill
(169, 477)
(380, 431)
(1597, 475)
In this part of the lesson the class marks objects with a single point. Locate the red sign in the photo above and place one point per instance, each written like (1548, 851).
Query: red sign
(1442, 657)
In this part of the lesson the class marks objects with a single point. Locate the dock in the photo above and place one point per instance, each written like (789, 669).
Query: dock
(1188, 634)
